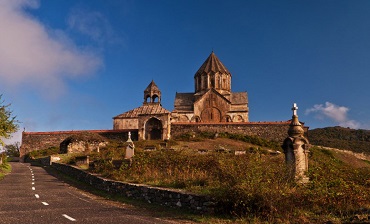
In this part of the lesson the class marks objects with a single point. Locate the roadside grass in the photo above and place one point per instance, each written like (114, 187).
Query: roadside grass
(5, 168)
(152, 209)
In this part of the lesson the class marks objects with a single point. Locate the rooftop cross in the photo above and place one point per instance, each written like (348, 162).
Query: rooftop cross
(294, 109)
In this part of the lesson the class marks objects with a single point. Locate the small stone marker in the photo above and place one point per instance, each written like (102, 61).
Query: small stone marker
(130, 149)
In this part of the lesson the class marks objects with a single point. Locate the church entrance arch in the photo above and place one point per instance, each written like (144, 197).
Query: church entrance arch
(153, 129)
(210, 115)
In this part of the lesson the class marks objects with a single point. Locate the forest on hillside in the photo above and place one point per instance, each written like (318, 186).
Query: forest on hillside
(342, 138)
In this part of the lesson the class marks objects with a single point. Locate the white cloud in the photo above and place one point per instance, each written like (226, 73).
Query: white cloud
(336, 113)
(34, 55)
(93, 25)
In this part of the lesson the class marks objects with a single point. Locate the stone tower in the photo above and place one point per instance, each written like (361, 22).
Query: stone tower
(212, 74)
(296, 149)
(152, 94)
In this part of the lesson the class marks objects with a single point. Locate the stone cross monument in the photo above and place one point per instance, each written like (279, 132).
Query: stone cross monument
(130, 149)
(296, 149)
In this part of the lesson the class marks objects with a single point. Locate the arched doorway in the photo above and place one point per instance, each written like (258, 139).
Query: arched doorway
(153, 129)
(211, 115)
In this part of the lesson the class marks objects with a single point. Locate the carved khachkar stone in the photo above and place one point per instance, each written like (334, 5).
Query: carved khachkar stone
(130, 148)
(296, 149)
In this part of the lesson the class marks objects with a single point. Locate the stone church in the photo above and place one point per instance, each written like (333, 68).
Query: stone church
(212, 102)
(212, 107)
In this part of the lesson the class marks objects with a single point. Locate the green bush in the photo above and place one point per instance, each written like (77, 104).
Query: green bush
(44, 152)
(4, 167)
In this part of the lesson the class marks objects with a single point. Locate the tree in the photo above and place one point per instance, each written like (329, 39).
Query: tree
(13, 149)
(8, 122)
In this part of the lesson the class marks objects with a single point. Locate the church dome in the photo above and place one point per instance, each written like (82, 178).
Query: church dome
(212, 65)
(212, 74)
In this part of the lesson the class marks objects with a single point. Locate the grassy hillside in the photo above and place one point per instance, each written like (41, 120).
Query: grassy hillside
(255, 186)
(341, 138)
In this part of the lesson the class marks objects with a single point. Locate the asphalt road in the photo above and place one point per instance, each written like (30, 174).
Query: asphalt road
(30, 195)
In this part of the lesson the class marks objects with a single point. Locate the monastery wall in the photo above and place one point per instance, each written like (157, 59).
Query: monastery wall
(276, 131)
(32, 141)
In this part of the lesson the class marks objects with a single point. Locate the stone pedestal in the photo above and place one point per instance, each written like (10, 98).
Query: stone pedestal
(296, 149)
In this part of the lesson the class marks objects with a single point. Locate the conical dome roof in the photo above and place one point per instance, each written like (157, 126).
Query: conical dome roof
(152, 87)
(212, 65)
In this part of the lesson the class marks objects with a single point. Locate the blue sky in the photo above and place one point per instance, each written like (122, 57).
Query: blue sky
(75, 64)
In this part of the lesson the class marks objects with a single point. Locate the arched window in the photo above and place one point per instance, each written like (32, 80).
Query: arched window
(212, 82)
(155, 99)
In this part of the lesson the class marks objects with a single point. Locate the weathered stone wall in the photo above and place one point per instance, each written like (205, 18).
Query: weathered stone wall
(82, 146)
(276, 131)
(166, 197)
(32, 141)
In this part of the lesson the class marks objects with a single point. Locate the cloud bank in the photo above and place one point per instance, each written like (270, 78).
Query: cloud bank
(335, 113)
(41, 58)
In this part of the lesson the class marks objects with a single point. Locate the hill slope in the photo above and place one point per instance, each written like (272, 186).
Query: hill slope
(342, 138)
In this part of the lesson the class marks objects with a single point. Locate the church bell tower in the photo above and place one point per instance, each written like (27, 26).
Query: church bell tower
(152, 94)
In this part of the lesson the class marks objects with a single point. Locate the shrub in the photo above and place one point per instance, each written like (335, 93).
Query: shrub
(44, 152)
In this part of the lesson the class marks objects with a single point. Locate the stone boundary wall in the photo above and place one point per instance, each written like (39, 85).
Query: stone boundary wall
(276, 131)
(32, 141)
(166, 197)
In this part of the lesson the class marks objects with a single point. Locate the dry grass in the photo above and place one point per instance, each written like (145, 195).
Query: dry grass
(255, 186)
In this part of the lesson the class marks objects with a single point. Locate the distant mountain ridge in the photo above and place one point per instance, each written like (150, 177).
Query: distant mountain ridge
(341, 138)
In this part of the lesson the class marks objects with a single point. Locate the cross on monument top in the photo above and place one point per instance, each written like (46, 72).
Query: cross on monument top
(294, 109)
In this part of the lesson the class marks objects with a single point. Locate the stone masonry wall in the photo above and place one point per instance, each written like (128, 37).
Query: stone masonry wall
(32, 141)
(166, 197)
(276, 131)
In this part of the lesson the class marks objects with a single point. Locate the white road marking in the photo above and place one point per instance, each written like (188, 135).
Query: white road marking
(79, 197)
(37, 196)
(33, 183)
(33, 188)
(44, 203)
(69, 217)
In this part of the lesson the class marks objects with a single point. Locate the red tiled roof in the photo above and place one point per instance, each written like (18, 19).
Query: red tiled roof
(146, 109)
